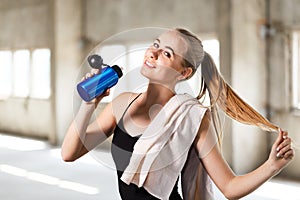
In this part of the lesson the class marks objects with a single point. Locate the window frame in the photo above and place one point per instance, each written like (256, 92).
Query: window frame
(5, 96)
(295, 71)
(30, 74)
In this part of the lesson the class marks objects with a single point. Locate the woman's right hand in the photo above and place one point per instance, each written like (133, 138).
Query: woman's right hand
(96, 100)
(282, 152)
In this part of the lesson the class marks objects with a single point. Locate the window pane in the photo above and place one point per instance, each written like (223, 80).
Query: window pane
(5, 73)
(136, 82)
(136, 55)
(40, 81)
(114, 55)
(21, 60)
(212, 47)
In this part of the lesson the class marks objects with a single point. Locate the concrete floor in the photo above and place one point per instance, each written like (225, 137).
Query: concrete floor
(31, 169)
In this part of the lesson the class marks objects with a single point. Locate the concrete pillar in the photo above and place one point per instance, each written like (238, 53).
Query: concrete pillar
(249, 81)
(284, 17)
(224, 36)
(67, 35)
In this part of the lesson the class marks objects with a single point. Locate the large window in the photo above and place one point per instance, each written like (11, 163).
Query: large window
(130, 58)
(21, 67)
(40, 75)
(296, 70)
(212, 47)
(25, 73)
(5, 73)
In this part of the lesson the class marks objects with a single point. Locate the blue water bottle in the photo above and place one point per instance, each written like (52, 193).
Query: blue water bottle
(98, 84)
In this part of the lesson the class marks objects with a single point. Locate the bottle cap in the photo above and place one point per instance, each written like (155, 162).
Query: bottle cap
(118, 70)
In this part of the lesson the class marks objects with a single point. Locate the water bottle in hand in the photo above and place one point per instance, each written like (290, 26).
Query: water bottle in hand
(98, 84)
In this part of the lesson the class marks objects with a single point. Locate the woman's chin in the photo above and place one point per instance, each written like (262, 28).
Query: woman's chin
(145, 73)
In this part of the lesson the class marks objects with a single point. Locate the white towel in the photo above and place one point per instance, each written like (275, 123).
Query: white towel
(161, 152)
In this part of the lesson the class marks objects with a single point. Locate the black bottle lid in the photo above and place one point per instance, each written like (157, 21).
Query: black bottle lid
(118, 70)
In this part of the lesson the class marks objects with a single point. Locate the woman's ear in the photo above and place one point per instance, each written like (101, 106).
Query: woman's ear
(185, 73)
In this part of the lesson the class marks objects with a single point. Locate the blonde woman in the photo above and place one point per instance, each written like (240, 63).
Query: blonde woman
(159, 134)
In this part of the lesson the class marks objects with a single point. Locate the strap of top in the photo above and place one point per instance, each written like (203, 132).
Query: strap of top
(130, 104)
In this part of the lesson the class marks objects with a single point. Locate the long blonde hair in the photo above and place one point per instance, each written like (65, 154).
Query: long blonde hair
(221, 94)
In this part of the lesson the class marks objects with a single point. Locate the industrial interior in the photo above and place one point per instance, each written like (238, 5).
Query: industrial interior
(43, 48)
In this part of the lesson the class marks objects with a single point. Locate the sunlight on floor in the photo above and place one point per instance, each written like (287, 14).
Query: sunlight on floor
(46, 179)
(26, 144)
(21, 144)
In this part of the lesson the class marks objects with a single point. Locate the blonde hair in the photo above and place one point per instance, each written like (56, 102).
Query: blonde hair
(221, 94)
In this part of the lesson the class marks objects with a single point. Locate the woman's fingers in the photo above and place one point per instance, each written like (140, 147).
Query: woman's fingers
(279, 138)
(289, 154)
(284, 145)
(90, 74)
(95, 71)
(284, 150)
(285, 142)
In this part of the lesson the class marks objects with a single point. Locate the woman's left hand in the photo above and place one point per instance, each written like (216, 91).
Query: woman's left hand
(282, 152)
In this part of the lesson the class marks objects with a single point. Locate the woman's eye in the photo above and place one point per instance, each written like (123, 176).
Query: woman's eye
(167, 54)
(156, 45)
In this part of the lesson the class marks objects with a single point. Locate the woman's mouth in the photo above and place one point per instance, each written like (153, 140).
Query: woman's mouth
(150, 65)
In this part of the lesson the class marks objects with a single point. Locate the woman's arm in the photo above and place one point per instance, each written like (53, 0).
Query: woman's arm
(235, 187)
(82, 137)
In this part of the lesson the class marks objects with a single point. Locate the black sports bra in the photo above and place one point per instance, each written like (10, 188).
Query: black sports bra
(121, 149)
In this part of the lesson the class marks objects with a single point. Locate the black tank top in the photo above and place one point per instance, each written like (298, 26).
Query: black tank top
(121, 149)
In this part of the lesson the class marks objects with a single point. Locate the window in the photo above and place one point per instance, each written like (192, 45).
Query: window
(40, 81)
(25, 73)
(114, 55)
(212, 47)
(296, 70)
(136, 54)
(21, 64)
(5, 74)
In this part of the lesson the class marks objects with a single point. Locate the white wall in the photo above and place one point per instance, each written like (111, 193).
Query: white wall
(26, 24)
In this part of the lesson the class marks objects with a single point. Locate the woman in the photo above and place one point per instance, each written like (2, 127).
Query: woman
(174, 57)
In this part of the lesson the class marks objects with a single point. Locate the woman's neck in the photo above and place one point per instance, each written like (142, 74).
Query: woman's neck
(157, 94)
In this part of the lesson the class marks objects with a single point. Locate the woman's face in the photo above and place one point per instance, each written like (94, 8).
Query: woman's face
(163, 59)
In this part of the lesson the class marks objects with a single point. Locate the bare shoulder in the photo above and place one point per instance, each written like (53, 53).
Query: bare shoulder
(120, 103)
(206, 138)
(204, 127)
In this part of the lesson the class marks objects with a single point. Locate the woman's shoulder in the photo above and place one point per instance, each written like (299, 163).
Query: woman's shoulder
(125, 98)
(120, 103)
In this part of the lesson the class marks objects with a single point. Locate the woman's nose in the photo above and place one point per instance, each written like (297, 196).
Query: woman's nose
(154, 53)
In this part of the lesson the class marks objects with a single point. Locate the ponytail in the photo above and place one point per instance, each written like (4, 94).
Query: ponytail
(222, 95)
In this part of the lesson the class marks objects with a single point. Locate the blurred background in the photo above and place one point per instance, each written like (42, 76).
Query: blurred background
(43, 43)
